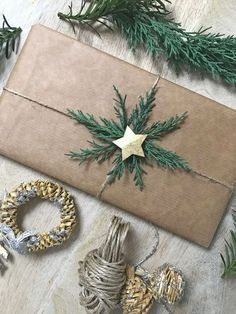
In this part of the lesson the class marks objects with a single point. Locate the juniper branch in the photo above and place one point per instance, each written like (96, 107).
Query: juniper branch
(229, 260)
(138, 173)
(120, 108)
(149, 24)
(100, 10)
(133, 164)
(196, 51)
(164, 157)
(140, 114)
(109, 130)
(9, 37)
(98, 152)
(117, 170)
(160, 128)
(234, 217)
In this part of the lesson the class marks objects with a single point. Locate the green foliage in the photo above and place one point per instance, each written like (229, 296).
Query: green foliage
(9, 38)
(159, 129)
(229, 260)
(164, 157)
(140, 114)
(120, 109)
(148, 24)
(98, 152)
(106, 131)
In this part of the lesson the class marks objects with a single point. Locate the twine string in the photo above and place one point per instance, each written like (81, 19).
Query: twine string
(153, 250)
(102, 274)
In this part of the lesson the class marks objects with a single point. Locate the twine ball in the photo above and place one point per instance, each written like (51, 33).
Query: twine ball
(102, 274)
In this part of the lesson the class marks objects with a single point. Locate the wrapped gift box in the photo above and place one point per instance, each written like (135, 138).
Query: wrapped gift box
(55, 72)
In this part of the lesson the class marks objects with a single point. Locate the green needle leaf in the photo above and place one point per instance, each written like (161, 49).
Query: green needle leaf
(148, 24)
(229, 260)
(164, 157)
(106, 131)
(140, 114)
(159, 128)
(9, 38)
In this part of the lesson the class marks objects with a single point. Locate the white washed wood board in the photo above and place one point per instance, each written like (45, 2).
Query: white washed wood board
(48, 282)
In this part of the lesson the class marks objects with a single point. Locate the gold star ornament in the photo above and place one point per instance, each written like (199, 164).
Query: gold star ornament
(131, 144)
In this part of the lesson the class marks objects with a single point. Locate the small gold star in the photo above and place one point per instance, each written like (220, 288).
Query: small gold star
(131, 143)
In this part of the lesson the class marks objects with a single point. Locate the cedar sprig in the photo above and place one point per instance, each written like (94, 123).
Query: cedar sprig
(98, 152)
(106, 131)
(148, 24)
(140, 114)
(9, 38)
(159, 129)
(164, 157)
(229, 259)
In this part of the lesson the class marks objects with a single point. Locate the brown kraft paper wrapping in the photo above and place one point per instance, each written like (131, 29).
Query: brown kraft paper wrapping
(54, 73)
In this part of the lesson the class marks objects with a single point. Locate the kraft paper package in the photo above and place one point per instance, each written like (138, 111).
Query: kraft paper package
(55, 72)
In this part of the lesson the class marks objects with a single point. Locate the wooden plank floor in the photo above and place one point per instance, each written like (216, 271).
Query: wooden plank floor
(48, 283)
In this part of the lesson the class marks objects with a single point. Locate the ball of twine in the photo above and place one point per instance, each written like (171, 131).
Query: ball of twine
(102, 274)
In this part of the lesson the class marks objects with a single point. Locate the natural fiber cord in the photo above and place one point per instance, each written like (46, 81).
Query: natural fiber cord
(137, 297)
(102, 274)
(107, 281)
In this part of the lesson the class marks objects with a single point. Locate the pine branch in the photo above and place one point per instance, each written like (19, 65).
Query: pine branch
(140, 114)
(120, 108)
(99, 10)
(234, 217)
(133, 164)
(159, 129)
(136, 167)
(117, 170)
(9, 38)
(196, 51)
(98, 152)
(148, 24)
(112, 127)
(109, 130)
(164, 157)
(229, 261)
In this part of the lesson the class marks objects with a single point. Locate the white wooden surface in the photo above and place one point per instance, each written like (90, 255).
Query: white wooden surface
(48, 283)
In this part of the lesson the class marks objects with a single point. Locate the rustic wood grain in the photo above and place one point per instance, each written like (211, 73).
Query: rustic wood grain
(48, 283)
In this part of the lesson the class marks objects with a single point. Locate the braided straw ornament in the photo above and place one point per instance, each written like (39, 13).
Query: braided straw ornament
(102, 274)
(137, 297)
(45, 190)
(165, 286)
(106, 280)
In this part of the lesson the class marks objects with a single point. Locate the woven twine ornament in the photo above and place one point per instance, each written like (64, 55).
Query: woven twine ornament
(106, 279)
(102, 274)
(165, 286)
(136, 297)
(29, 241)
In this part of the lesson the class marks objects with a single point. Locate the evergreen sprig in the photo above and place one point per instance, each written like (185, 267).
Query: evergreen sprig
(107, 131)
(229, 260)
(9, 38)
(148, 24)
